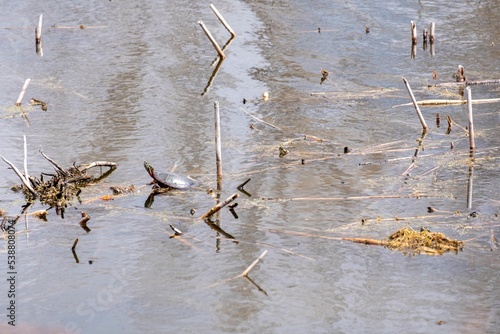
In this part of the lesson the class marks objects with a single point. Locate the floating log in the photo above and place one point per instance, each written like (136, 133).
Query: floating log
(210, 37)
(23, 91)
(221, 19)
(417, 109)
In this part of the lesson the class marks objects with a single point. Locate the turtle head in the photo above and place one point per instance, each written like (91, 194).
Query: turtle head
(149, 168)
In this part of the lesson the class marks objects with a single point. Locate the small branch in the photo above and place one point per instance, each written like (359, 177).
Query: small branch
(240, 188)
(21, 176)
(250, 267)
(219, 206)
(23, 91)
(58, 168)
(98, 164)
(74, 244)
(214, 43)
(221, 19)
(243, 184)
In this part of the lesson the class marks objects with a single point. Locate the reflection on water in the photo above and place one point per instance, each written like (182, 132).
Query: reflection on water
(127, 88)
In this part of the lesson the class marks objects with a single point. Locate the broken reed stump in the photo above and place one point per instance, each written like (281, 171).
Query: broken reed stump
(83, 222)
(413, 32)
(38, 37)
(23, 91)
(38, 30)
(221, 19)
(415, 104)
(471, 121)
(460, 75)
(432, 28)
(212, 40)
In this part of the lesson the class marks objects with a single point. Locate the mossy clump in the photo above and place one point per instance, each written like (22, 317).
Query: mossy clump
(410, 241)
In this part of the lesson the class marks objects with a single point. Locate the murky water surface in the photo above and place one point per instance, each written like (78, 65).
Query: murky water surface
(135, 84)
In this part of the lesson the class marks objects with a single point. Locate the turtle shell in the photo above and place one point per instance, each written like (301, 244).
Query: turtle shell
(169, 180)
(172, 180)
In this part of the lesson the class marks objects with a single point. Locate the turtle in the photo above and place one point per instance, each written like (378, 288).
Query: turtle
(169, 180)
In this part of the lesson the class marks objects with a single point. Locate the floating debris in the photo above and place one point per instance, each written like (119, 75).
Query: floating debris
(118, 190)
(36, 102)
(283, 152)
(408, 240)
(324, 74)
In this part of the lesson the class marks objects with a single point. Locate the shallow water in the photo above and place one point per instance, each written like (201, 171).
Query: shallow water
(132, 86)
